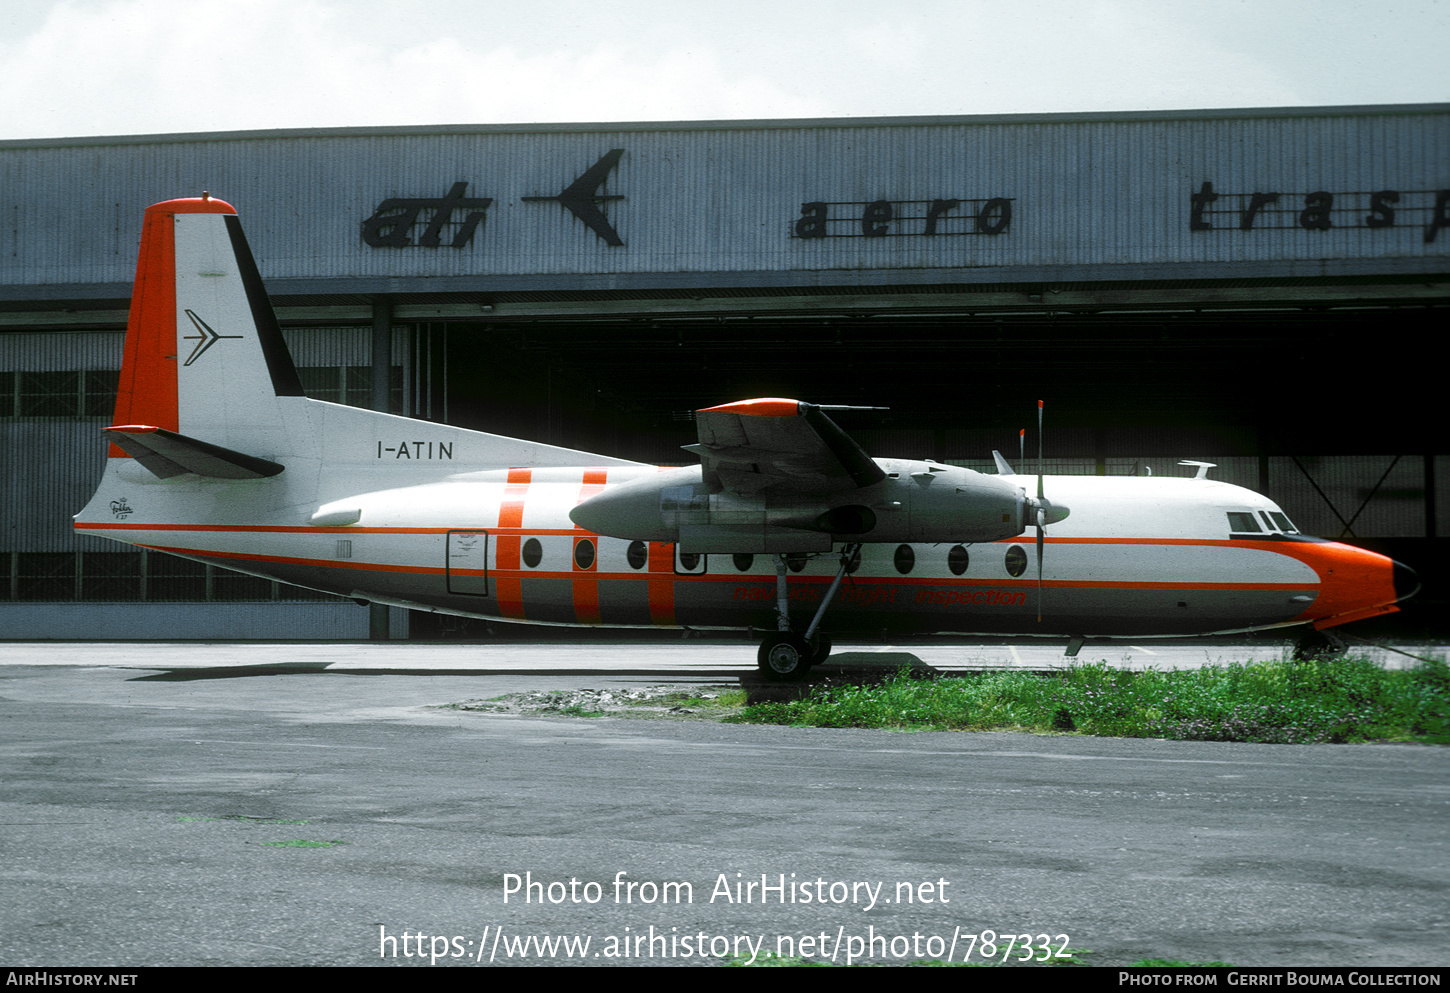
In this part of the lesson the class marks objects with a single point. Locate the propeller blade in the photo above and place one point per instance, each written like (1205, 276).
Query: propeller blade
(1039, 445)
(1040, 518)
(1041, 514)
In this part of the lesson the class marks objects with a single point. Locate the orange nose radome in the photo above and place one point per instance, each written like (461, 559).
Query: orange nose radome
(1355, 583)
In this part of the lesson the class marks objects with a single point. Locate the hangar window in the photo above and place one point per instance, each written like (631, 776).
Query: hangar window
(743, 561)
(223, 584)
(958, 560)
(46, 576)
(78, 393)
(350, 384)
(129, 576)
(584, 553)
(904, 559)
(637, 554)
(1016, 560)
(112, 576)
(533, 552)
(171, 578)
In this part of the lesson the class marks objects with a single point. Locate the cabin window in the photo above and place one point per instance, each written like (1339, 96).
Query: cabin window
(958, 560)
(584, 553)
(796, 561)
(1242, 521)
(1016, 560)
(533, 553)
(637, 554)
(743, 561)
(905, 559)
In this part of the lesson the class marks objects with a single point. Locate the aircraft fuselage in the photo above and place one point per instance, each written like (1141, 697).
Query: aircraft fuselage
(1136, 557)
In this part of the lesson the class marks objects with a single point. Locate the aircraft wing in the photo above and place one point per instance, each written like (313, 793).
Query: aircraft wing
(792, 447)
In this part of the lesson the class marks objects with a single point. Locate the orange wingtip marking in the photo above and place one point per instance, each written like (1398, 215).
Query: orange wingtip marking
(763, 407)
(192, 205)
(133, 428)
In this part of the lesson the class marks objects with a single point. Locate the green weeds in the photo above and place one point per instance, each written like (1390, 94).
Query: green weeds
(1340, 700)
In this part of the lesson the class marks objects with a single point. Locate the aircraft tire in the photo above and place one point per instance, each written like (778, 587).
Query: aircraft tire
(820, 649)
(784, 657)
(1318, 645)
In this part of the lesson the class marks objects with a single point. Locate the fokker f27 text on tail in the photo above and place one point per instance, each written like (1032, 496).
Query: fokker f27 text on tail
(218, 456)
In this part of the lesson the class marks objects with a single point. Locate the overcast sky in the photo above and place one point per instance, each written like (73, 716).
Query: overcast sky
(103, 67)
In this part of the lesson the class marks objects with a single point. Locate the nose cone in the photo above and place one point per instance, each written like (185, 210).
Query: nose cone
(1355, 584)
(612, 513)
(1407, 581)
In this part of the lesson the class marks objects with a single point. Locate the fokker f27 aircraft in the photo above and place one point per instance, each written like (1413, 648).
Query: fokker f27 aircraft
(785, 526)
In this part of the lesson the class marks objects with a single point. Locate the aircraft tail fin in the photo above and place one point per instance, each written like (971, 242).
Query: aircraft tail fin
(204, 356)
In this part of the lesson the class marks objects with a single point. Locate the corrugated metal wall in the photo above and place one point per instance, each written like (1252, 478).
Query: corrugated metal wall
(1083, 191)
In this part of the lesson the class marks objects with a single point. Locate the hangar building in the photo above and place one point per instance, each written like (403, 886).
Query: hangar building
(1261, 289)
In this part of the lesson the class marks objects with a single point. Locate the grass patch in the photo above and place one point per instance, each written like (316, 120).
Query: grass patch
(1282, 702)
(710, 702)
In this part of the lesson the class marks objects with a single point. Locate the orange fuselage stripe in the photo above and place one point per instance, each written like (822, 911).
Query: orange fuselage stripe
(506, 558)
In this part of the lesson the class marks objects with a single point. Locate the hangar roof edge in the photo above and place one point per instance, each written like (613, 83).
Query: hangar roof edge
(1348, 110)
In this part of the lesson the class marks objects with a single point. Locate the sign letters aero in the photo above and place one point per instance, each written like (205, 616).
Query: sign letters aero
(454, 219)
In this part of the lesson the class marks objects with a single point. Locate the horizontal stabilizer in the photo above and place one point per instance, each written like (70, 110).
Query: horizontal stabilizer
(168, 454)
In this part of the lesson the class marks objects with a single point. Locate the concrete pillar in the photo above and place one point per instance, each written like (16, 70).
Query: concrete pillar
(382, 391)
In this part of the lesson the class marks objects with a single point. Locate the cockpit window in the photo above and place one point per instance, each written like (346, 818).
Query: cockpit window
(1282, 519)
(1241, 521)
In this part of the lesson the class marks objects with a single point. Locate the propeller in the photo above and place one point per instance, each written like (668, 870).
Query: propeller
(1044, 512)
(1041, 514)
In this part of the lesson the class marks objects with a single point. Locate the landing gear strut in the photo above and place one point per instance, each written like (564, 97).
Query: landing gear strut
(785, 656)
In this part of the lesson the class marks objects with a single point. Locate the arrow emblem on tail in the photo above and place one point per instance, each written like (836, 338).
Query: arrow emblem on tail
(205, 337)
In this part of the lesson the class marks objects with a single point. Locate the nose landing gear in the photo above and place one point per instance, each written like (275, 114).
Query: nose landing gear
(1318, 644)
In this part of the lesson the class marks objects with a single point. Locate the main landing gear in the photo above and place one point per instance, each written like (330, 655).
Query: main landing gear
(786, 656)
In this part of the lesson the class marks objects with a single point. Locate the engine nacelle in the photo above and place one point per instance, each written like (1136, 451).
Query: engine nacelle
(917, 501)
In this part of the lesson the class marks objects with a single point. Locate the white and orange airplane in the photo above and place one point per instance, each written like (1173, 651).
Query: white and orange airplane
(218, 456)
